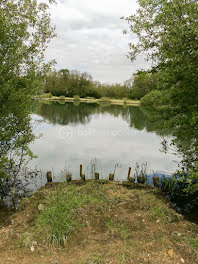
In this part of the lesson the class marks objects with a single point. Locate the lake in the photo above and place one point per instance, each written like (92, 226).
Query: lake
(103, 138)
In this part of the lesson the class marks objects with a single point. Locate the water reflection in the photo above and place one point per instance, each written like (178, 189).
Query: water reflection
(74, 134)
(80, 113)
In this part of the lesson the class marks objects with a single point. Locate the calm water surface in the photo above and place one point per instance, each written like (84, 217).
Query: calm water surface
(104, 138)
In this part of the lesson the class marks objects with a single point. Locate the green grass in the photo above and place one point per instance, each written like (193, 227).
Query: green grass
(58, 221)
(158, 211)
(117, 229)
(193, 242)
(94, 259)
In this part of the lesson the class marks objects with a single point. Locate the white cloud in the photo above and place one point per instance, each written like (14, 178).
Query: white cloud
(90, 38)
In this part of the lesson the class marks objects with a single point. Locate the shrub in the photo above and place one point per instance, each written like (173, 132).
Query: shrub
(62, 97)
(179, 189)
(46, 95)
(136, 93)
(76, 97)
(151, 99)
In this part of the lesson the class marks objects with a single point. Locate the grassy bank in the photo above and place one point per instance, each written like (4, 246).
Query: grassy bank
(97, 223)
(90, 100)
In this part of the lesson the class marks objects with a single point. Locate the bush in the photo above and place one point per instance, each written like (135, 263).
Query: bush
(136, 93)
(46, 95)
(152, 99)
(179, 190)
(76, 97)
(62, 97)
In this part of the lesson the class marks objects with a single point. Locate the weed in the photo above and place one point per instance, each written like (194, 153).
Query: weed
(141, 173)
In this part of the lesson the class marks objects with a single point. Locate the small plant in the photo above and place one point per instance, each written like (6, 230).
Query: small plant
(141, 173)
(76, 97)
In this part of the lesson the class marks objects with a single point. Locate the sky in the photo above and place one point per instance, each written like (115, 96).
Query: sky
(90, 39)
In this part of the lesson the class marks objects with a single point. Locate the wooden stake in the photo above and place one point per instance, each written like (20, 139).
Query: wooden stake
(49, 176)
(129, 173)
(68, 176)
(156, 181)
(97, 175)
(82, 176)
(130, 179)
(111, 176)
(80, 170)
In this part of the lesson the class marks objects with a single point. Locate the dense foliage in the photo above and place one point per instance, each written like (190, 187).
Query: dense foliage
(71, 83)
(168, 34)
(25, 31)
(143, 83)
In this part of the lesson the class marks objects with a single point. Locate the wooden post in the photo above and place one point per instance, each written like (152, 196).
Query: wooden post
(82, 176)
(129, 173)
(111, 176)
(68, 176)
(80, 170)
(49, 176)
(156, 181)
(130, 179)
(97, 175)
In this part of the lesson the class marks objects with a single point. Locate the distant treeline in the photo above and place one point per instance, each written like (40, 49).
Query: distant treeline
(70, 83)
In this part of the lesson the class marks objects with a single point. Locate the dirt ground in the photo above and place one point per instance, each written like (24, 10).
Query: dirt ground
(134, 226)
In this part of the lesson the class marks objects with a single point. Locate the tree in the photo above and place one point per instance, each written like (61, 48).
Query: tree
(25, 31)
(168, 34)
(143, 83)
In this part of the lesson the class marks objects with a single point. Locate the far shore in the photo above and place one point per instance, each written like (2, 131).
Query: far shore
(90, 100)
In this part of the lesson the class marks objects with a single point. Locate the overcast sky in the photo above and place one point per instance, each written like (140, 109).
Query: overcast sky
(90, 38)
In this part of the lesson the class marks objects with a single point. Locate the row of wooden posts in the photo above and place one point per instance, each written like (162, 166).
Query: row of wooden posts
(140, 179)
